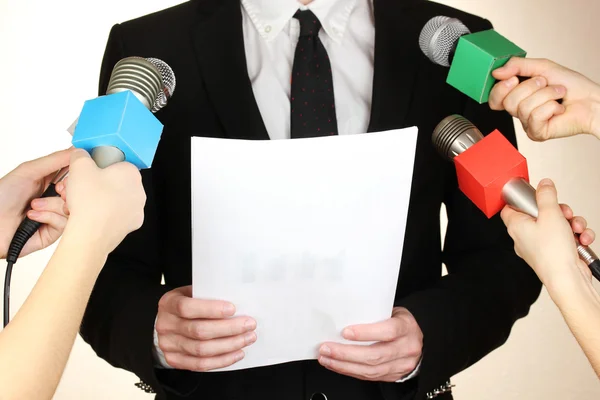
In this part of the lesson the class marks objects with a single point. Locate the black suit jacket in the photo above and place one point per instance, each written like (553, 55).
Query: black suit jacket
(464, 315)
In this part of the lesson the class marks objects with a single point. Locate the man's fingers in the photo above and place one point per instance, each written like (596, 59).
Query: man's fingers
(587, 237)
(197, 364)
(567, 211)
(388, 372)
(521, 92)
(50, 204)
(537, 99)
(547, 197)
(213, 329)
(374, 354)
(542, 125)
(520, 66)
(53, 220)
(80, 159)
(44, 166)
(180, 303)
(578, 224)
(500, 91)
(385, 331)
(205, 348)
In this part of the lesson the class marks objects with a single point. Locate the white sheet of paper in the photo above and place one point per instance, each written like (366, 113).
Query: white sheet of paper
(304, 235)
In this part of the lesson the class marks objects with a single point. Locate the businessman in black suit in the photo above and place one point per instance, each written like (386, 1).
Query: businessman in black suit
(356, 67)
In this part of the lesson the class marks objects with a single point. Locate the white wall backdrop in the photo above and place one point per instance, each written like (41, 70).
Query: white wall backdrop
(50, 59)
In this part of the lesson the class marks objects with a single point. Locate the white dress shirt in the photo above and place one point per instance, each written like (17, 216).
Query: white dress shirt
(270, 37)
(348, 35)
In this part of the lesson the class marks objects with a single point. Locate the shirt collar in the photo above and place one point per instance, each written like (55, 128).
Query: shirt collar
(271, 16)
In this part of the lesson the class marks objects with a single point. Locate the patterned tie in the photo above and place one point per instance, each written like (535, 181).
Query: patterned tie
(312, 101)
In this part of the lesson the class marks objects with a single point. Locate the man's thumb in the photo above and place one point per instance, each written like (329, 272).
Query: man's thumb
(547, 197)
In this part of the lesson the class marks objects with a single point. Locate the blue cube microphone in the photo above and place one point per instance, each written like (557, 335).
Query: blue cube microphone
(119, 126)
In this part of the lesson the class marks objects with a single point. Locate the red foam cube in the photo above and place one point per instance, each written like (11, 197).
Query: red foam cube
(485, 168)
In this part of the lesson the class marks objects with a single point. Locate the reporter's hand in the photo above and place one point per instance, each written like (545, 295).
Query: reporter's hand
(547, 243)
(104, 205)
(396, 353)
(201, 335)
(534, 102)
(17, 189)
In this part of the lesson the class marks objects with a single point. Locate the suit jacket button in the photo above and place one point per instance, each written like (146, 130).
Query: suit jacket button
(318, 396)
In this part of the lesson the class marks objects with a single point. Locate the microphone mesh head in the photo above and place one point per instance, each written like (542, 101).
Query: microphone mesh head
(439, 36)
(168, 83)
(150, 79)
(453, 135)
(138, 75)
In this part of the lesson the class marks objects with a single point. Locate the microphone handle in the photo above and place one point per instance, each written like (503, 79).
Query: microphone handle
(521, 195)
(26, 230)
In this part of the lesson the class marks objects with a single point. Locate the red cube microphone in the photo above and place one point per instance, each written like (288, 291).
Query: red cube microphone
(492, 173)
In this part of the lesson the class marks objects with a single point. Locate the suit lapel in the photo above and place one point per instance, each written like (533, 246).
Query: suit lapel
(396, 63)
(219, 44)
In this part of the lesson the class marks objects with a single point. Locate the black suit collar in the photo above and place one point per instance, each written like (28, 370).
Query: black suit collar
(219, 43)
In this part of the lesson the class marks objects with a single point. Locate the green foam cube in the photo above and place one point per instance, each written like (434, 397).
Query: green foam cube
(477, 56)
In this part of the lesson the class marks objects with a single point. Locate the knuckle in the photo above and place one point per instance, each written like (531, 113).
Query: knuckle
(161, 326)
(374, 360)
(414, 348)
(181, 307)
(410, 364)
(375, 372)
(389, 333)
(199, 349)
(171, 359)
(200, 365)
(198, 332)
(162, 344)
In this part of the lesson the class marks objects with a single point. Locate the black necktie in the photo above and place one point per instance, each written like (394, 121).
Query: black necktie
(312, 101)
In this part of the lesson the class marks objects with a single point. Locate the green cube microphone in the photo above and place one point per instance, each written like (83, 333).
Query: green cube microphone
(472, 57)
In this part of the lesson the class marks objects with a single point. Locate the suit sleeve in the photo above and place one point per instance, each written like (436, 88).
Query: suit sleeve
(119, 319)
(471, 311)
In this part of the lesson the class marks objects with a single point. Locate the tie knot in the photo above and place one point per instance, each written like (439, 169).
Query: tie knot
(309, 23)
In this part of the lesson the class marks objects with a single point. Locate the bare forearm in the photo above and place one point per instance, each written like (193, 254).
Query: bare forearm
(41, 335)
(579, 304)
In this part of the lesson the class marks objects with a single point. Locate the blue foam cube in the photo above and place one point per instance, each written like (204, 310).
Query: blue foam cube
(120, 120)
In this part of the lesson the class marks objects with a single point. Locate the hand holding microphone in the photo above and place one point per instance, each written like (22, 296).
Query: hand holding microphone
(535, 102)
(493, 174)
(546, 242)
(104, 205)
(20, 192)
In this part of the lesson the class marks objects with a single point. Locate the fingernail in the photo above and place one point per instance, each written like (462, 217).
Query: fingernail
(325, 350)
(325, 361)
(39, 202)
(250, 338)
(560, 90)
(511, 82)
(33, 214)
(60, 186)
(349, 333)
(545, 182)
(239, 356)
(228, 309)
(249, 324)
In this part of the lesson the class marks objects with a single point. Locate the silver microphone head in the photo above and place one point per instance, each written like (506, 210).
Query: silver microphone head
(168, 80)
(151, 80)
(455, 134)
(439, 37)
(138, 75)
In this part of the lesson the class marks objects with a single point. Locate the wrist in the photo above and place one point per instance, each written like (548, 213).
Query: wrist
(79, 236)
(571, 282)
(595, 98)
